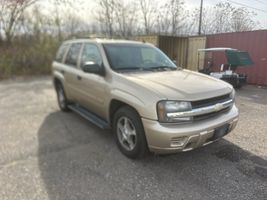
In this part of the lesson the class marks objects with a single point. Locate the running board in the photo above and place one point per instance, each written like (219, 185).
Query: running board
(90, 116)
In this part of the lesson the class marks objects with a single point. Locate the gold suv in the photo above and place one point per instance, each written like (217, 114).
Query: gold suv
(149, 103)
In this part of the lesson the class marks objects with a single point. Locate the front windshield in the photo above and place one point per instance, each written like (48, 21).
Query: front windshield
(137, 57)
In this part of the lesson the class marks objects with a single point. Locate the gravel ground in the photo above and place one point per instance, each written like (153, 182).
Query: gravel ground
(47, 154)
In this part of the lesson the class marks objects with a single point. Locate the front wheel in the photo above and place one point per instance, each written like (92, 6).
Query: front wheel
(61, 98)
(129, 133)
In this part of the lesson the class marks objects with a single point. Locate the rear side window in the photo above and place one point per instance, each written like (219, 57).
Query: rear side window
(73, 54)
(61, 52)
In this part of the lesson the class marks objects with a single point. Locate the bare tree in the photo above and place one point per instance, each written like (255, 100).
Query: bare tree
(208, 20)
(125, 17)
(224, 17)
(11, 13)
(12, 17)
(163, 21)
(148, 9)
(177, 15)
(106, 16)
(31, 23)
(215, 19)
(222, 14)
(59, 15)
(73, 25)
(172, 18)
(242, 20)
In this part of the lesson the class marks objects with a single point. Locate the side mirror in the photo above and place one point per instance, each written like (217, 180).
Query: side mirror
(94, 68)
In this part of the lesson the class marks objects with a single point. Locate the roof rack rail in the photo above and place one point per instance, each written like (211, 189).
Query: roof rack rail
(89, 37)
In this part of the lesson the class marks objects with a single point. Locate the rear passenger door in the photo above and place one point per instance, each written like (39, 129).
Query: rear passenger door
(72, 71)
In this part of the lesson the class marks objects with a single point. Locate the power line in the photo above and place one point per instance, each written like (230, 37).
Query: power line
(241, 4)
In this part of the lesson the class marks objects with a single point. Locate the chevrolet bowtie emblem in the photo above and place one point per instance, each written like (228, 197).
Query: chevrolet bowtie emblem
(218, 107)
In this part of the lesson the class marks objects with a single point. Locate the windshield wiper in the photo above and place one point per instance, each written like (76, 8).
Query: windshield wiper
(128, 68)
(162, 67)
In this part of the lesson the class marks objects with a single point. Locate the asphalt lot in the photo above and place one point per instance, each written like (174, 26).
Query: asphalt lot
(47, 154)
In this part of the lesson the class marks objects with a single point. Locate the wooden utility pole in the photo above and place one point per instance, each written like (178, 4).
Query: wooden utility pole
(200, 17)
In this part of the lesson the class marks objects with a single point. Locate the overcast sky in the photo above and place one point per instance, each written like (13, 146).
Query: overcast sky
(261, 17)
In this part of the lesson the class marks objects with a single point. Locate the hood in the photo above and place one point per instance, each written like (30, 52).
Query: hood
(180, 85)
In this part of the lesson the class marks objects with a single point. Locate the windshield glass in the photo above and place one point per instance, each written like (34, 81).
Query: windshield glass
(137, 57)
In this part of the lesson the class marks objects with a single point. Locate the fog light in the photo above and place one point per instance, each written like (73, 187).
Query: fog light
(178, 141)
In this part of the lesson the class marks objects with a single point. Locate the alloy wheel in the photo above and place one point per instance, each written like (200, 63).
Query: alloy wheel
(126, 133)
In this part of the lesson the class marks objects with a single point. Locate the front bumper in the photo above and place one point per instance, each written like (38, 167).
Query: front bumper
(171, 138)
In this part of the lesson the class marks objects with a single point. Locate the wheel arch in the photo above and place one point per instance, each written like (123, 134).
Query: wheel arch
(56, 81)
(116, 104)
(141, 147)
(58, 78)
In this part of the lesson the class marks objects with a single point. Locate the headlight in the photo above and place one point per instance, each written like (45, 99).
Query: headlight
(166, 107)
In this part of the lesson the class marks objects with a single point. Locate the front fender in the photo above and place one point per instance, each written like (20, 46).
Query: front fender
(58, 76)
(145, 109)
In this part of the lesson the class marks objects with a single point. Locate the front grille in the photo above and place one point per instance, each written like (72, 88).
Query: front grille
(210, 115)
(210, 101)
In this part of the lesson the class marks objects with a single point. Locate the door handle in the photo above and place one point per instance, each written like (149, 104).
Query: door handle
(79, 77)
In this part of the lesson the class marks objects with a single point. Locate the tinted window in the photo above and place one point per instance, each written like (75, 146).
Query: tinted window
(61, 52)
(73, 54)
(90, 54)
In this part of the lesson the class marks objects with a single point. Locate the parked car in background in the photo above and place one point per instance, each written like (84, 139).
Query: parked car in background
(137, 91)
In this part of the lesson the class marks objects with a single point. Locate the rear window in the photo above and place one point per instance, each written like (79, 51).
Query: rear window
(61, 52)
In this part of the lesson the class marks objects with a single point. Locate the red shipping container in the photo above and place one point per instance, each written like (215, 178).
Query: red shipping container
(255, 42)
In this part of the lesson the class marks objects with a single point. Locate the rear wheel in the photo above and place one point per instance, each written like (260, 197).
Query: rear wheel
(61, 98)
(129, 133)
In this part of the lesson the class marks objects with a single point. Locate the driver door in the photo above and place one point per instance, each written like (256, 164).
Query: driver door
(93, 86)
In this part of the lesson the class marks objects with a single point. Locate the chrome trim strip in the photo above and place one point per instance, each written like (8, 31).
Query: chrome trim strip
(201, 111)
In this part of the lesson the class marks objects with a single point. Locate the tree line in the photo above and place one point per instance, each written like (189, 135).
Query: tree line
(30, 35)
(120, 18)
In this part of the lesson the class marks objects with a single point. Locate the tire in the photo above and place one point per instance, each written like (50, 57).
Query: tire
(129, 133)
(61, 98)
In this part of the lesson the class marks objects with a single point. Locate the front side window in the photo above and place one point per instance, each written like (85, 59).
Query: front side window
(90, 54)
(137, 56)
(73, 54)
